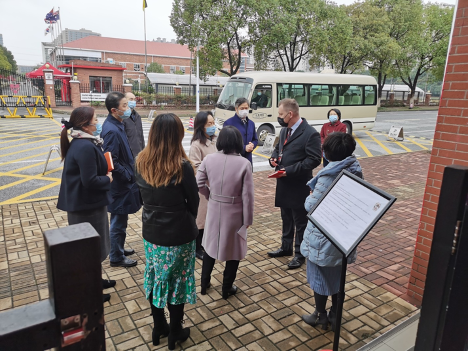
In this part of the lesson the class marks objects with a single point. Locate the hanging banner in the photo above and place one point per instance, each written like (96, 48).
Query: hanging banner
(93, 97)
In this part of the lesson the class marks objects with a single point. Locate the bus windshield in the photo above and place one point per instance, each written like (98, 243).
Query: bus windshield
(231, 92)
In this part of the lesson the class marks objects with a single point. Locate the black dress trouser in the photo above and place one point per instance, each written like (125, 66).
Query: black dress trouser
(293, 218)
(230, 272)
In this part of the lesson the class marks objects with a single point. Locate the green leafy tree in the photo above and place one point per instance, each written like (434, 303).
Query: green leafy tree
(218, 28)
(4, 64)
(179, 72)
(284, 32)
(10, 58)
(404, 18)
(155, 67)
(427, 50)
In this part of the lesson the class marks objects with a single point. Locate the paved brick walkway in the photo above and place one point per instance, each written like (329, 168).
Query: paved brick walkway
(266, 313)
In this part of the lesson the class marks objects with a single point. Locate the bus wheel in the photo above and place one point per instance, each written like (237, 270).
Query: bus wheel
(263, 132)
(349, 127)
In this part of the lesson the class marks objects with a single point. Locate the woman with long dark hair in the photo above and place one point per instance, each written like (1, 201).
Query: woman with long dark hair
(169, 190)
(84, 191)
(203, 143)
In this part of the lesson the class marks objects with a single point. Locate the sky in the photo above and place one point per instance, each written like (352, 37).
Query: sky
(22, 21)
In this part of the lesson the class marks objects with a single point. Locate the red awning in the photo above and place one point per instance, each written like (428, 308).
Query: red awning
(39, 72)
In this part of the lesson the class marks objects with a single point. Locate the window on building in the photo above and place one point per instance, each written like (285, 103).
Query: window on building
(262, 95)
(172, 69)
(123, 64)
(182, 69)
(100, 84)
(136, 66)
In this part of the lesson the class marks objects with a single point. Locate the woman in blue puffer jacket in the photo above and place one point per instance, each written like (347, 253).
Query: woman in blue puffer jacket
(323, 259)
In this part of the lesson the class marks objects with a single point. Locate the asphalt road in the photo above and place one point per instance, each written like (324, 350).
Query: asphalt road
(414, 123)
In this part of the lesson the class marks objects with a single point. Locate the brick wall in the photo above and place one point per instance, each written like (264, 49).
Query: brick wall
(85, 73)
(450, 145)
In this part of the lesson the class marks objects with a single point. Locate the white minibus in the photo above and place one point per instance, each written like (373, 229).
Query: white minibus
(355, 95)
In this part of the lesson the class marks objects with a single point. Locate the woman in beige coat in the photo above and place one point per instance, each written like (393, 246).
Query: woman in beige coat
(203, 143)
(226, 179)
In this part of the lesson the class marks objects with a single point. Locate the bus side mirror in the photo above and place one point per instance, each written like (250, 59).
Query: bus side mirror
(253, 105)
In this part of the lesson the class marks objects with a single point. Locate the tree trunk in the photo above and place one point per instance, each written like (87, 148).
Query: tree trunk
(378, 101)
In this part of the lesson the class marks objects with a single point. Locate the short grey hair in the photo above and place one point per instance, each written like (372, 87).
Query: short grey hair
(290, 105)
(241, 101)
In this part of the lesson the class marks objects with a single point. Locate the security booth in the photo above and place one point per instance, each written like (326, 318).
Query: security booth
(73, 316)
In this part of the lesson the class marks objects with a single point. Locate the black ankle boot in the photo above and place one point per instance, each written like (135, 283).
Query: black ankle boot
(316, 318)
(160, 326)
(203, 288)
(231, 291)
(177, 334)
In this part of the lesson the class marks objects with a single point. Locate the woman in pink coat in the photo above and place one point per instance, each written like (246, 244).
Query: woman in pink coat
(230, 209)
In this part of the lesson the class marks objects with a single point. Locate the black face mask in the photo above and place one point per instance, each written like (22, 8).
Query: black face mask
(281, 122)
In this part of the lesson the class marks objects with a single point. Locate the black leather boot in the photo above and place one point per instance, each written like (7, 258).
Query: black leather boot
(332, 318)
(177, 333)
(316, 318)
(160, 326)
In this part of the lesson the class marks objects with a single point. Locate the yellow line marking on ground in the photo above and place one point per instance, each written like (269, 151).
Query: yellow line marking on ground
(31, 142)
(57, 122)
(24, 158)
(10, 134)
(9, 141)
(31, 177)
(418, 144)
(256, 153)
(379, 143)
(33, 199)
(29, 193)
(34, 148)
(29, 127)
(34, 165)
(402, 146)
(363, 147)
(9, 185)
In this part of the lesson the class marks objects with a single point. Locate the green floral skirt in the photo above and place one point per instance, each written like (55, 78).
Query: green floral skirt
(169, 274)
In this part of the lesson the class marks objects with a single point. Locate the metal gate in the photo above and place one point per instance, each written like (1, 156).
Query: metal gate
(14, 84)
(62, 92)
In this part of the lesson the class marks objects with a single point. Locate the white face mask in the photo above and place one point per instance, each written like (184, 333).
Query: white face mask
(243, 113)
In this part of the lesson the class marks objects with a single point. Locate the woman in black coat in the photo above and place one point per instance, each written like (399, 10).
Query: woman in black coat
(84, 192)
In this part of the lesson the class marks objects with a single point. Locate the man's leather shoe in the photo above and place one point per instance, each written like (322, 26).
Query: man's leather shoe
(128, 252)
(279, 253)
(105, 298)
(107, 284)
(296, 262)
(230, 292)
(126, 262)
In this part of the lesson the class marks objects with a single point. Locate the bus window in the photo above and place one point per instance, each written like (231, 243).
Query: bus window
(370, 94)
(322, 95)
(297, 92)
(350, 95)
(231, 92)
(262, 95)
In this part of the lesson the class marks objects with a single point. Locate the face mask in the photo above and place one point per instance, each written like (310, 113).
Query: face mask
(126, 114)
(98, 129)
(243, 113)
(259, 93)
(333, 118)
(132, 104)
(323, 154)
(281, 122)
(211, 130)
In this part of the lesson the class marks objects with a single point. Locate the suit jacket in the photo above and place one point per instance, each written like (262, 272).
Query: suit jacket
(84, 182)
(300, 155)
(248, 133)
(134, 131)
(124, 190)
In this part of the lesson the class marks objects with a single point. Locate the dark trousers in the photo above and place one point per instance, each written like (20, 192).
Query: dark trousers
(199, 247)
(230, 272)
(293, 218)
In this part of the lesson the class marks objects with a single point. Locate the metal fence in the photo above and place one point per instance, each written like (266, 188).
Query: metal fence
(87, 88)
(12, 83)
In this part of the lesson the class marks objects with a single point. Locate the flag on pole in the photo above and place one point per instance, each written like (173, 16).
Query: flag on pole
(145, 5)
(47, 31)
(52, 17)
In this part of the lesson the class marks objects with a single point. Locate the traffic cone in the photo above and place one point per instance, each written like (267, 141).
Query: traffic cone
(190, 124)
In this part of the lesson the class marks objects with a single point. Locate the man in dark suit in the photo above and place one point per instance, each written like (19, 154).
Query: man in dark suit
(298, 152)
(134, 127)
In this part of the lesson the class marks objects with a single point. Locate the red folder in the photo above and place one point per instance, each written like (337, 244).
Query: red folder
(277, 174)
(110, 163)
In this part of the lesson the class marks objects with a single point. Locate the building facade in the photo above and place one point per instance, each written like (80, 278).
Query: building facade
(1, 39)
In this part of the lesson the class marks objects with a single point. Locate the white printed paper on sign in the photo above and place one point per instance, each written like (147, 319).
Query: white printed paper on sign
(348, 210)
(396, 133)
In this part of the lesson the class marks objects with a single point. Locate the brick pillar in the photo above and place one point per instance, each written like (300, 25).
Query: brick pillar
(49, 86)
(427, 101)
(75, 93)
(450, 145)
(127, 88)
(177, 90)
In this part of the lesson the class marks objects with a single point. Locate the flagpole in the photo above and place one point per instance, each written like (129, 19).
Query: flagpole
(61, 36)
(146, 59)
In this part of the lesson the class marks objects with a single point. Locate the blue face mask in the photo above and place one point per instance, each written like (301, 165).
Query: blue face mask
(259, 93)
(333, 118)
(211, 130)
(132, 104)
(98, 129)
(323, 155)
(126, 114)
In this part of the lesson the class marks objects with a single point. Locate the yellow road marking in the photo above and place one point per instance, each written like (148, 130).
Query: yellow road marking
(28, 127)
(33, 165)
(363, 147)
(9, 185)
(420, 145)
(29, 193)
(60, 124)
(24, 158)
(9, 141)
(41, 133)
(256, 153)
(31, 142)
(33, 148)
(379, 143)
(403, 146)
(34, 199)
(31, 177)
